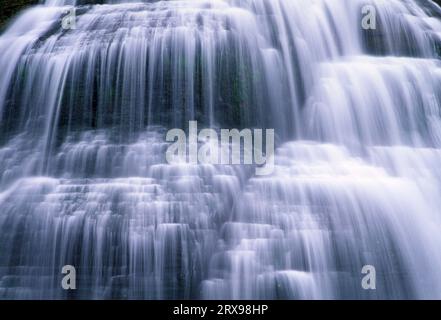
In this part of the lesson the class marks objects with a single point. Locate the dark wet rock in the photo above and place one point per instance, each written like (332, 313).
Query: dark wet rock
(9, 8)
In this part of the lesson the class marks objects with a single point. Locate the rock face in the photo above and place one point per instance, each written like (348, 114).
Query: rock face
(9, 8)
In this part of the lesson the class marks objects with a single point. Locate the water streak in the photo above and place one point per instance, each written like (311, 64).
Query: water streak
(83, 176)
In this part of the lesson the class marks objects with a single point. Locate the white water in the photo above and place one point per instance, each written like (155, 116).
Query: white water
(83, 177)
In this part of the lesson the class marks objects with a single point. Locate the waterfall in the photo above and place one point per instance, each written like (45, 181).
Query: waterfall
(84, 179)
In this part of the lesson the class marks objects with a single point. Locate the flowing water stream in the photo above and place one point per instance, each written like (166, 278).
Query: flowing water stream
(83, 175)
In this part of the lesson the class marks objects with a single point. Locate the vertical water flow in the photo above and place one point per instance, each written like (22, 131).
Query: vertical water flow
(83, 175)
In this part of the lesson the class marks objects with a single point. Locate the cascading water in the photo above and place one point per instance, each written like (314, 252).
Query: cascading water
(83, 175)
